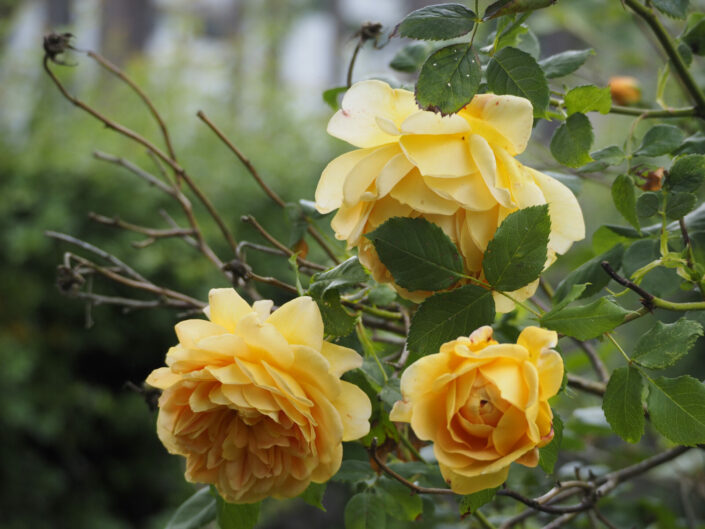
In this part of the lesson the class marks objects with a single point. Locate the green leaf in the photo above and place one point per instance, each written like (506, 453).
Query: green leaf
(410, 58)
(548, 455)
(603, 158)
(665, 343)
(586, 321)
(448, 315)
(647, 205)
(449, 79)
(346, 274)
(515, 72)
(517, 254)
(622, 403)
(694, 144)
(572, 141)
(677, 409)
(590, 272)
(381, 295)
(391, 393)
(195, 512)
(660, 140)
(313, 495)
(471, 502)
(365, 511)
(508, 7)
(695, 37)
(336, 320)
(354, 471)
(330, 96)
(588, 98)
(400, 502)
(624, 198)
(236, 516)
(679, 204)
(437, 22)
(686, 174)
(564, 63)
(417, 253)
(672, 8)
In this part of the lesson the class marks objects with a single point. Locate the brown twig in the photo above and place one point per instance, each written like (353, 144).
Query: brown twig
(589, 386)
(646, 299)
(151, 233)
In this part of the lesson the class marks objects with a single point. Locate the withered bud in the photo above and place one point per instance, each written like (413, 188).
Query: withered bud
(56, 44)
(369, 31)
(653, 180)
(625, 90)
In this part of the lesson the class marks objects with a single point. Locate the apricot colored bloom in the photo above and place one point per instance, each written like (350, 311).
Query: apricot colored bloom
(483, 404)
(625, 90)
(254, 400)
(458, 172)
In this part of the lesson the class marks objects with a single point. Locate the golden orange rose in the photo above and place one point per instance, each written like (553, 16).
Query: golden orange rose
(254, 400)
(458, 172)
(483, 404)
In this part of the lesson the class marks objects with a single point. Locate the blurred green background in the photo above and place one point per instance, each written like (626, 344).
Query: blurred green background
(78, 444)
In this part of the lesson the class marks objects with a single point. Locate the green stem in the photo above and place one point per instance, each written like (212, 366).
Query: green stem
(380, 313)
(681, 307)
(477, 22)
(619, 347)
(484, 522)
(647, 113)
(669, 47)
(369, 347)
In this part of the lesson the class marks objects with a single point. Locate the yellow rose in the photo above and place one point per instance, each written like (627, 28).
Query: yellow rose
(483, 404)
(458, 172)
(254, 400)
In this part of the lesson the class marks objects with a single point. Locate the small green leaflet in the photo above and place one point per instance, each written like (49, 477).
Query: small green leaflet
(346, 274)
(515, 72)
(666, 343)
(564, 63)
(437, 22)
(336, 320)
(548, 455)
(572, 141)
(517, 254)
(603, 158)
(410, 58)
(447, 315)
(313, 495)
(508, 7)
(236, 516)
(677, 409)
(686, 174)
(590, 272)
(588, 98)
(330, 96)
(672, 8)
(660, 140)
(694, 38)
(354, 471)
(470, 503)
(365, 511)
(399, 501)
(679, 204)
(417, 253)
(624, 198)
(449, 79)
(647, 205)
(586, 321)
(195, 512)
(622, 403)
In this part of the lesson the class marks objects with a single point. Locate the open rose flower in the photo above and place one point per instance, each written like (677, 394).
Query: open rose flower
(483, 404)
(458, 172)
(254, 400)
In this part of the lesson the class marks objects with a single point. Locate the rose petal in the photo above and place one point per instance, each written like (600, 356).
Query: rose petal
(355, 410)
(441, 156)
(341, 359)
(414, 192)
(227, 307)
(329, 193)
(510, 116)
(299, 321)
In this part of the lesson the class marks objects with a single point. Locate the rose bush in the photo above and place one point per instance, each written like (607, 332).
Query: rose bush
(254, 400)
(483, 404)
(457, 171)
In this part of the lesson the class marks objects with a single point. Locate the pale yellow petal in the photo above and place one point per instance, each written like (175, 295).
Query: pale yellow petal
(469, 191)
(190, 332)
(263, 307)
(461, 484)
(441, 156)
(424, 122)
(484, 159)
(163, 378)
(362, 176)
(397, 168)
(350, 220)
(355, 409)
(300, 322)
(510, 116)
(341, 359)
(535, 340)
(550, 368)
(482, 226)
(401, 411)
(265, 340)
(414, 192)
(329, 193)
(505, 374)
(227, 307)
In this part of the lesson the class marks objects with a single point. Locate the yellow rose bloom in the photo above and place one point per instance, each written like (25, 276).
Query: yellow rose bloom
(483, 404)
(457, 171)
(254, 400)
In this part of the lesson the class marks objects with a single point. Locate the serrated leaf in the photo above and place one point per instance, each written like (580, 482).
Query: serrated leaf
(647, 205)
(603, 158)
(548, 455)
(624, 198)
(195, 512)
(660, 140)
(572, 141)
(686, 174)
(564, 63)
(515, 72)
(508, 7)
(665, 343)
(694, 37)
(336, 320)
(438, 22)
(469, 503)
(588, 98)
(346, 274)
(449, 79)
(313, 495)
(590, 272)
(354, 471)
(586, 321)
(694, 144)
(365, 511)
(331, 96)
(672, 8)
(517, 254)
(236, 516)
(417, 253)
(410, 58)
(677, 409)
(622, 404)
(448, 315)
(680, 204)
(400, 502)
